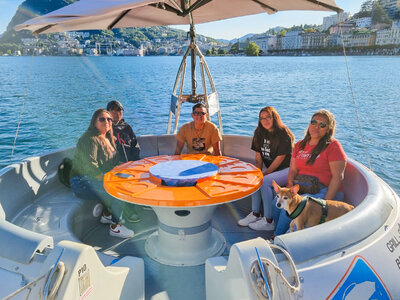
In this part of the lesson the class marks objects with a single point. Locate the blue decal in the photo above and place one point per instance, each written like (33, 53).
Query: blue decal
(361, 283)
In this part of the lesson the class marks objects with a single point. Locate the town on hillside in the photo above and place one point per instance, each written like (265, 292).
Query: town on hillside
(375, 29)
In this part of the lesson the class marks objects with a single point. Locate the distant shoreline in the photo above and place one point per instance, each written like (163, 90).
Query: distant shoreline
(352, 51)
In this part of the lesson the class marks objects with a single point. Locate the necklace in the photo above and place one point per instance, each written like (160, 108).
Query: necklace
(198, 132)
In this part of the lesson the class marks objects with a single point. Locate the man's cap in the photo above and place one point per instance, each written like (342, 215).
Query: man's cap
(114, 104)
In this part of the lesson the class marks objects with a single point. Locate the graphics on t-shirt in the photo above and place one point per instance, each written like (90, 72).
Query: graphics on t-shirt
(304, 155)
(199, 144)
(266, 149)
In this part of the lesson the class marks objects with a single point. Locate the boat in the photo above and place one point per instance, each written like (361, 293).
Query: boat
(53, 246)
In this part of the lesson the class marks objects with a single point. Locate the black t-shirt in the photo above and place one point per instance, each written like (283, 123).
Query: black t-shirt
(125, 139)
(272, 145)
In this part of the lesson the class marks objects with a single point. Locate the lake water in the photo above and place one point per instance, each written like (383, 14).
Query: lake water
(63, 92)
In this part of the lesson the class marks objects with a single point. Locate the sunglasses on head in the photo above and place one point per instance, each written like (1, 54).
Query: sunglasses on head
(320, 124)
(199, 113)
(102, 119)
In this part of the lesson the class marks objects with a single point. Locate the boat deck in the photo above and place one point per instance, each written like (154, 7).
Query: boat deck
(58, 213)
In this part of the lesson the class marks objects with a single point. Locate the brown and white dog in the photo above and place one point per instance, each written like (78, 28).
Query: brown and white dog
(311, 214)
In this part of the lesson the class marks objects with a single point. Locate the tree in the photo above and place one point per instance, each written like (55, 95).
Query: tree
(235, 48)
(379, 14)
(310, 30)
(252, 49)
(208, 52)
(365, 11)
(282, 32)
(221, 51)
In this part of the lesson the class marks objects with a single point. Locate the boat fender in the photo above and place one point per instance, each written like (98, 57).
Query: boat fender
(64, 171)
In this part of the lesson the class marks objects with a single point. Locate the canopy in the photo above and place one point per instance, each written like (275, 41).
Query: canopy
(109, 14)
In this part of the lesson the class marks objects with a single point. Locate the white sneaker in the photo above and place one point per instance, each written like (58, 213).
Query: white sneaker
(262, 224)
(121, 231)
(106, 219)
(249, 219)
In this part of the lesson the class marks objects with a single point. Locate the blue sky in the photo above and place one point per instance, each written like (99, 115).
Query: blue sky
(227, 29)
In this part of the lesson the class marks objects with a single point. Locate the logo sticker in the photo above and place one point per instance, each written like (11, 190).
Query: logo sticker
(360, 282)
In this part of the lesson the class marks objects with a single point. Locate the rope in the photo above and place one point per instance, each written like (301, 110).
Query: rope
(23, 101)
(352, 94)
(24, 287)
(259, 282)
(58, 265)
(296, 287)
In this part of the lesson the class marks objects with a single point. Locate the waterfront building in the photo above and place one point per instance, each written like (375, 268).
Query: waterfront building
(346, 27)
(278, 42)
(364, 22)
(292, 40)
(264, 41)
(396, 32)
(346, 39)
(383, 37)
(28, 41)
(313, 40)
(334, 19)
(391, 7)
(389, 36)
(333, 40)
(77, 34)
(272, 42)
(363, 39)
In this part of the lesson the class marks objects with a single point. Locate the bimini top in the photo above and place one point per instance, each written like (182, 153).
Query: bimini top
(133, 181)
(109, 14)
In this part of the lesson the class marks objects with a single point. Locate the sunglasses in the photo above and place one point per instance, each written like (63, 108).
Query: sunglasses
(199, 113)
(266, 118)
(316, 123)
(102, 119)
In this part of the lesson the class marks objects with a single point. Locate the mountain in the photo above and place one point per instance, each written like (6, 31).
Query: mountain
(224, 41)
(33, 8)
(27, 10)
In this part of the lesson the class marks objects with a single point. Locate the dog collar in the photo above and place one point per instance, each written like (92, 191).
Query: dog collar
(298, 209)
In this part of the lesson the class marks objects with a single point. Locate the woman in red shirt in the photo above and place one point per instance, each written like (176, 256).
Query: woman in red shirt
(318, 154)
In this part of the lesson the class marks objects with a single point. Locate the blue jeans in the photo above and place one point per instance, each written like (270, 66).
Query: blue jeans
(281, 219)
(89, 188)
(266, 193)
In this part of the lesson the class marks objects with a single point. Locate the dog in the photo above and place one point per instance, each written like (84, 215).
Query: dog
(313, 212)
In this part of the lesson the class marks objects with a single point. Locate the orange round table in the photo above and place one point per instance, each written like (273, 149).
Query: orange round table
(185, 236)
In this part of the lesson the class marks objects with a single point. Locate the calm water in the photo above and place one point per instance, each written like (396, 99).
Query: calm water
(64, 91)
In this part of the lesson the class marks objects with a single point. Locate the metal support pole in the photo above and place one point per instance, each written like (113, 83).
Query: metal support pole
(193, 58)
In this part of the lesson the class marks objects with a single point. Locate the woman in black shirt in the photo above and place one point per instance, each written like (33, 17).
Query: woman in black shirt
(273, 144)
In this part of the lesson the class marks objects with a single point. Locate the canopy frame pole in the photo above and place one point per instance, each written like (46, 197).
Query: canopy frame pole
(178, 109)
(194, 51)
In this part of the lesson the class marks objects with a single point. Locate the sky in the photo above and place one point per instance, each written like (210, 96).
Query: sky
(227, 29)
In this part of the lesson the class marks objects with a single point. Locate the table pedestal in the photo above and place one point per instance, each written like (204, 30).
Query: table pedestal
(185, 237)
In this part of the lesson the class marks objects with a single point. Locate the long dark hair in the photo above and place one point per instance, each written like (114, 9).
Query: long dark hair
(325, 140)
(279, 128)
(93, 131)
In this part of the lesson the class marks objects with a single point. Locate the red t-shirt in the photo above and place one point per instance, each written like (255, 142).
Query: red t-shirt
(320, 168)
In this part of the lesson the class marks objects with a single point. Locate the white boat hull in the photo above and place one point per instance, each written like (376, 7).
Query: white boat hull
(355, 255)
